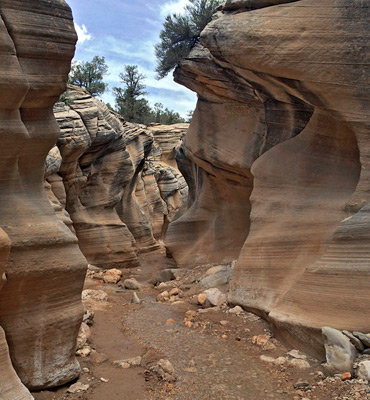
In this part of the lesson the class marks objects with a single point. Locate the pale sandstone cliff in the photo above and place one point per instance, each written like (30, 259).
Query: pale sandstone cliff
(40, 305)
(276, 159)
(112, 181)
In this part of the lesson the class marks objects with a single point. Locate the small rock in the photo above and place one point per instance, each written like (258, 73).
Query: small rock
(345, 376)
(174, 292)
(188, 324)
(365, 338)
(237, 310)
(215, 297)
(340, 352)
(131, 284)
(78, 387)
(170, 321)
(300, 364)
(104, 380)
(268, 346)
(216, 276)
(280, 361)
(363, 370)
(86, 370)
(165, 370)
(224, 322)
(297, 354)
(177, 302)
(98, 358)
(166, 285)
(164, 296)
(84, 352)
(202, 297)
(260, 339)
(82, 337)
(190, 315)
(268, 359)
(128, 362)
(135, 299)
(166, 275)
(320, 374)
(88, 317)
(301, 385)
(112, 276)
(354, 340)
(92, 294)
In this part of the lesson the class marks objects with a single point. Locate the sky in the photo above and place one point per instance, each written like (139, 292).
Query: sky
(125, 32)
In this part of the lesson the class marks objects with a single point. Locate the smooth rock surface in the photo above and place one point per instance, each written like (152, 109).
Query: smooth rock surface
(363, 370)
(340, 352)
(40, 305)
(11, 386)
(277, 162)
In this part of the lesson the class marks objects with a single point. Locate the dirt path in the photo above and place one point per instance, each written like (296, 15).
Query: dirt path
(214, 357)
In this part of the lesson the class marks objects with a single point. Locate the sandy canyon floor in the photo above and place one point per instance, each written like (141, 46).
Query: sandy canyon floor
(216, 354)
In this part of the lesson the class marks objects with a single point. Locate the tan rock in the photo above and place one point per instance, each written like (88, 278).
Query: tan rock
(93, 294)
(164, 296)
(112, 275)
(46, 270)
(202, 297)
(260, 339)
(275, 160)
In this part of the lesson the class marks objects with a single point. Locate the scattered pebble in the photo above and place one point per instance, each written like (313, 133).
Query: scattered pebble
(92, 294)
(78, 387)
(131, 284)
(164, 370)
(237, 310)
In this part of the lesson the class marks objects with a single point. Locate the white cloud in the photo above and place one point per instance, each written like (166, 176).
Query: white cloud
(82, 33)
(172, 7)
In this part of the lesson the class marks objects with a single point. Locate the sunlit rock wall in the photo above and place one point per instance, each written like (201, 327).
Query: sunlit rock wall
(40, 306)
(117, 200)
(276, 159)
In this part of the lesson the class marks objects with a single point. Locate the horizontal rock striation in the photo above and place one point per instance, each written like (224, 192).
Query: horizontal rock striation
(276, 159)
(40, 305)
(108, 193)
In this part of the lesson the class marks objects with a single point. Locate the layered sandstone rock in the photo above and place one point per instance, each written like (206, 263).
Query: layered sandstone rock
(112, 193)
(276, 159)
(10, 385)
(40, 306)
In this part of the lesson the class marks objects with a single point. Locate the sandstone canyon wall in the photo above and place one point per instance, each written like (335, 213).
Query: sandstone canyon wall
(114, 179)
(277, 161)
(40, 305)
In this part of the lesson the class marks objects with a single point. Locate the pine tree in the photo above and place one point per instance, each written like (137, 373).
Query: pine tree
(89, 75)
(181, 33)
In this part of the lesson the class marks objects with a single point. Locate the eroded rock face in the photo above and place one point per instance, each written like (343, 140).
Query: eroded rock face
(277, 161)
(117, 191)
(40, 305)
(10, 385)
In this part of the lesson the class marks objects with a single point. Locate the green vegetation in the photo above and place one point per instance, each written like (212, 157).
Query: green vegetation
(89, 75)
(131, 104)
(181, 33)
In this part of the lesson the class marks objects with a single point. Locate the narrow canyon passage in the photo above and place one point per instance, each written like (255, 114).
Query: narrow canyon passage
(215, 357)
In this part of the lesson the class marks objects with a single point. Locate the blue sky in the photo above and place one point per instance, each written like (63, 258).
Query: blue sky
(125, 32)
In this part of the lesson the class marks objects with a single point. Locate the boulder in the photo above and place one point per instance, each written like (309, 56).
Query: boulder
(340, 352)
(216, 276)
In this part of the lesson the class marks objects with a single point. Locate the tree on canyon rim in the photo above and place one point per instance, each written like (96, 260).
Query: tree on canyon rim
(181, 33)
(133, 107)
(89, 75)
(129, 100)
